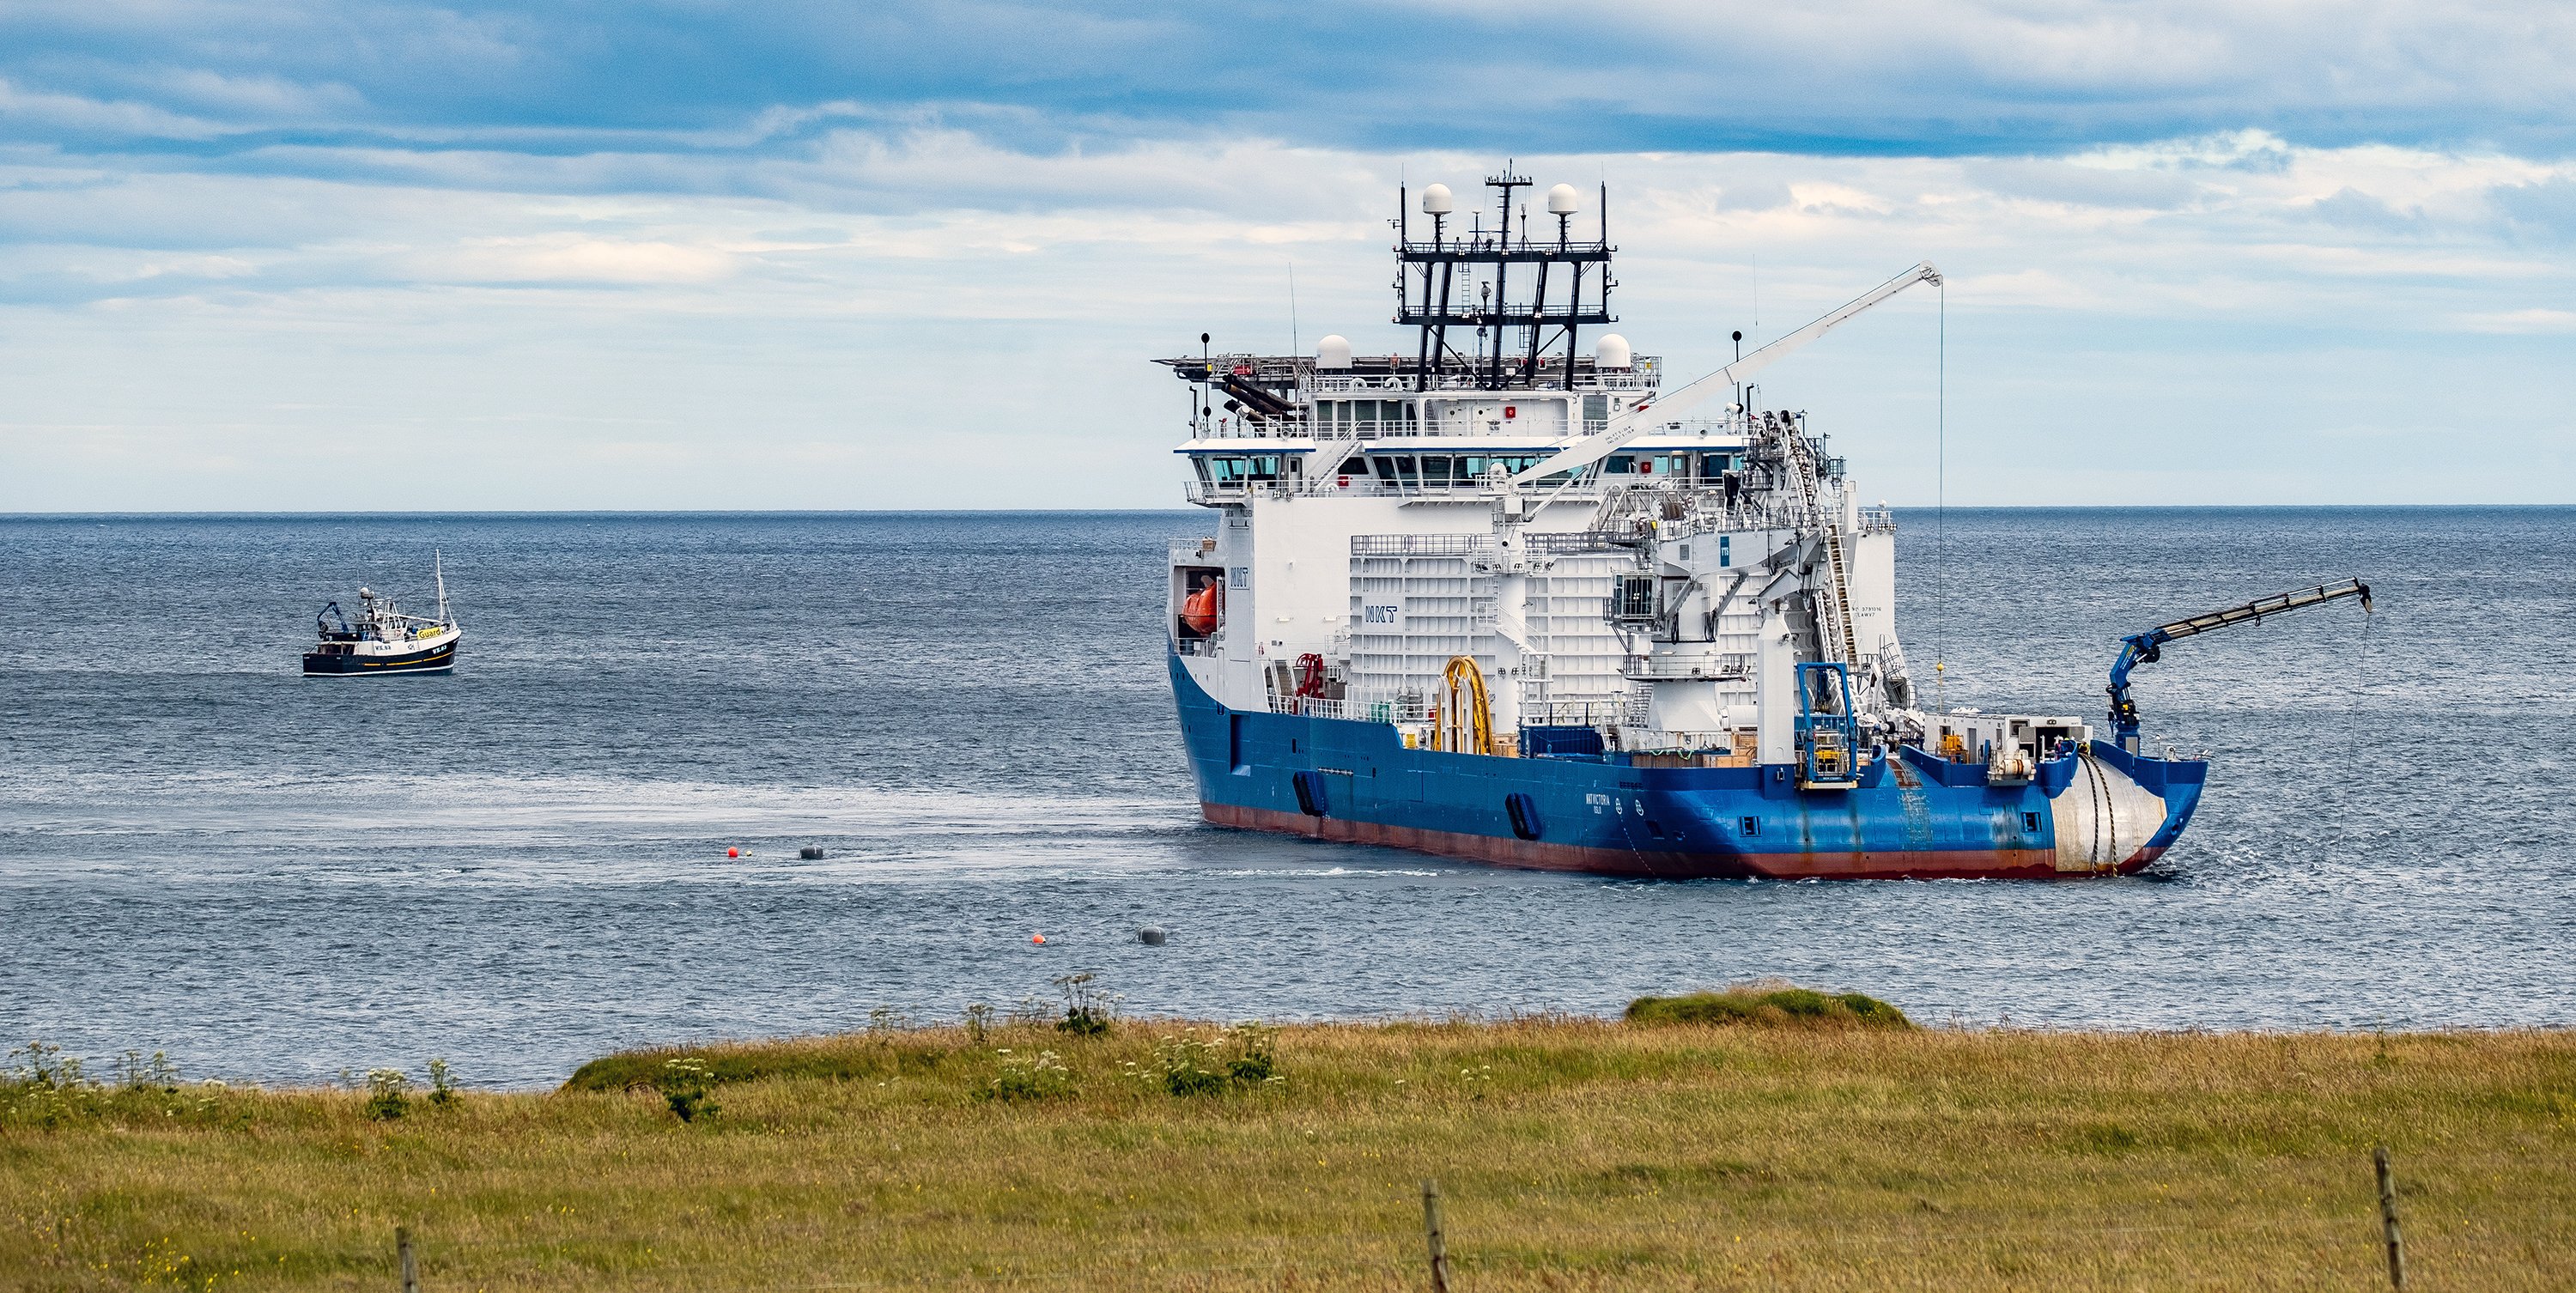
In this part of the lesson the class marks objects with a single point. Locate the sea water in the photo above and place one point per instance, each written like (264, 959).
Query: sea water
(524, 864)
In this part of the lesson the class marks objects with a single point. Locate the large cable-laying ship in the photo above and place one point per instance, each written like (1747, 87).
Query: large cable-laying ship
(1505, 599)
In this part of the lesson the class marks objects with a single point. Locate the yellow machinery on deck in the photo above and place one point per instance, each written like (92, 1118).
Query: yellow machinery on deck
(1464, 723)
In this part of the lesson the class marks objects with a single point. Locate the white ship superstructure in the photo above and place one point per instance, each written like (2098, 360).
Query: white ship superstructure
(1385, 515)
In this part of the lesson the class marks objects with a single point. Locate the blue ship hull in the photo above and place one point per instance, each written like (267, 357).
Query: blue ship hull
(1913, 816)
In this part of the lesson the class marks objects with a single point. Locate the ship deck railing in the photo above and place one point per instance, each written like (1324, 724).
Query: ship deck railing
(1545, 542)
(1644, 375)
(1730, 667)
(1374, 429)
(1602, 713)
(1398, 373)
(1204, 492)
(1599, 712)
(1381, 709)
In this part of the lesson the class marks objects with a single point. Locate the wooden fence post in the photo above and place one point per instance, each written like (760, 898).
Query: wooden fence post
(410, 1267)
(2388, 1219)
(1431, 1230)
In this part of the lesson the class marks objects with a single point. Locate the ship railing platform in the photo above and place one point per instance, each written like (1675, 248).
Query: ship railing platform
(1380, 709)
(1374, 429)
(1645, 374)
(1594, 712)
(1599, 712)
(1206, 492)
(1536, 542)
(1730, 667)
(1299, 376)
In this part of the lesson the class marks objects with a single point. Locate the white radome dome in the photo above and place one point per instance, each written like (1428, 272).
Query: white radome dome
(1612, 351)
(1436, 200)
(1563, 200)
(1333, 352)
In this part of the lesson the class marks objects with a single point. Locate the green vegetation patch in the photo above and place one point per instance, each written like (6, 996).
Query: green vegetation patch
(1770, 1006)
(868, 1056)
(1573, 1156)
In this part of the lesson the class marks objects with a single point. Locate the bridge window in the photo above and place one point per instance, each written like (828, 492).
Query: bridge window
(1232, 471)
(1368, 417)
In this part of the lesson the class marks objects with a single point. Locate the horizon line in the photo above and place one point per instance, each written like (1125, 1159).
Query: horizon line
(1187, 509)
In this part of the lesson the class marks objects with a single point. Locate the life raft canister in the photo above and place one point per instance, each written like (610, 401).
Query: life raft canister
(1199, 610)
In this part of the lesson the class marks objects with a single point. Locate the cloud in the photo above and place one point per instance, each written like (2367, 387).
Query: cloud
(69, 116)
(2352, 207)
(2521, 321)
(569, 258)
(2546, 206)
(687, 255)
(1869, 77)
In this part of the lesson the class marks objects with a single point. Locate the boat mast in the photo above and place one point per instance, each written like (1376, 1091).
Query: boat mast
(438, 570)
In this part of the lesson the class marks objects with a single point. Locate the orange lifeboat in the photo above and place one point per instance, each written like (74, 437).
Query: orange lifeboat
(1200, 610)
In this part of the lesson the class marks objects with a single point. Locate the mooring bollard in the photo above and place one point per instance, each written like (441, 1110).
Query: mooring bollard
(2388, 1219)
(410, 1268)
(1431, 1231)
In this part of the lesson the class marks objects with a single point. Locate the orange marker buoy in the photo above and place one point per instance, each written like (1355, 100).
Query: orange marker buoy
(1037, 938)
(733, 853)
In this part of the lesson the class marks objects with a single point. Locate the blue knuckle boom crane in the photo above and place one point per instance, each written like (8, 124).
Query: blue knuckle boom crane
(2146, 648)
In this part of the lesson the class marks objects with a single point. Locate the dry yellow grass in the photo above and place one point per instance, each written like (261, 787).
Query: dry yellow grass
(1574, 1155)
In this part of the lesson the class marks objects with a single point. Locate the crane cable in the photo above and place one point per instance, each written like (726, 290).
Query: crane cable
(1941, 505)
(2353, 739)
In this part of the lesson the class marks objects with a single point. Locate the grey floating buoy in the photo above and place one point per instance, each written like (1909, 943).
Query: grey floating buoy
(810, 852)
(1150, 936)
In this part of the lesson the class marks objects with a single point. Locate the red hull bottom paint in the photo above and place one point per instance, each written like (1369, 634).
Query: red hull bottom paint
(1949, 864)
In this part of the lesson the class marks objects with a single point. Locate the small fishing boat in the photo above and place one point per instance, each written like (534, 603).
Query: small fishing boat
(382, 639)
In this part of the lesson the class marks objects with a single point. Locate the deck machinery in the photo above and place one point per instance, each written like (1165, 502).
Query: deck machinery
(1499, 595)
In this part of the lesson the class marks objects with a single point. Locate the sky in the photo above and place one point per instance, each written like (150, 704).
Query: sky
(300, 256)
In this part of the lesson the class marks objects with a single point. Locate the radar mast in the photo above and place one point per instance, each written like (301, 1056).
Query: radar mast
(1515, 340)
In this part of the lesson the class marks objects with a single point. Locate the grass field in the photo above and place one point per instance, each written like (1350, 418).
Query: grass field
(1573, 1154)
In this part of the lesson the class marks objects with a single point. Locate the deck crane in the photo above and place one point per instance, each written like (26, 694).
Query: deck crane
(2146, 648)
(1584, 450)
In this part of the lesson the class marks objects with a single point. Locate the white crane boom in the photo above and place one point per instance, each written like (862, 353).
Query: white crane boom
(1634, 422)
